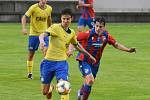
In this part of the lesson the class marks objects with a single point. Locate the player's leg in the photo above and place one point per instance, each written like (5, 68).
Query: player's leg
(86, 87)
(30, 63)
(81, 24)
(47, 90)
(32, 47)
(46, 77)
(85, 90)
(62, 75)
(90, 22)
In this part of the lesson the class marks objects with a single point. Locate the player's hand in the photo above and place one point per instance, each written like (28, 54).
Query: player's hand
(77, 6)
(132, 50)
(42, 44)
(81, 3)
(70, 53)
(24, 31)
(93, 59)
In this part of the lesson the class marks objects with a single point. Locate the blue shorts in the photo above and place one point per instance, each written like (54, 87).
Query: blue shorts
(83, 22)
(33, 42)
(87, 69)
(49, 69)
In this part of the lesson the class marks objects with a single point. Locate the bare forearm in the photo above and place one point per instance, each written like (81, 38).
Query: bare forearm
(49, 21)
(124, 48)
(23, 21)
(82, 50)
(41, 37)
(85, 5)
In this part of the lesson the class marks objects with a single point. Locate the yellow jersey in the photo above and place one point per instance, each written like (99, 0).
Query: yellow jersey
(59, 41)
(38, 19)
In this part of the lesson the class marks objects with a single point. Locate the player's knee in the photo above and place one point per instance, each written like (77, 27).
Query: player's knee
(45, 92)
(91, 82)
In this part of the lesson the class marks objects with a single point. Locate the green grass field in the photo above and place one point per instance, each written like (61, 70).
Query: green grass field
(123, 76)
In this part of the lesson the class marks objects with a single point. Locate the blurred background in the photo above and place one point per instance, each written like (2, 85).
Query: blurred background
(112, 10)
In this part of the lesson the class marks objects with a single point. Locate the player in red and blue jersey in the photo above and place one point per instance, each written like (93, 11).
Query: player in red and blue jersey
(94, 41)
(88, 15)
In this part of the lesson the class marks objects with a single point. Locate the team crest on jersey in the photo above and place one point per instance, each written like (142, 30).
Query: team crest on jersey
(104, 38)
(92, 38)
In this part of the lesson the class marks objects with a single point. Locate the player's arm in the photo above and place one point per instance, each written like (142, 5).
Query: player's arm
(70, 50)
(49, 21)
(119, 46)
(79, 47)
(23, 22)
(82, 4)
(80, 36)
(41, 39)
(124, 48)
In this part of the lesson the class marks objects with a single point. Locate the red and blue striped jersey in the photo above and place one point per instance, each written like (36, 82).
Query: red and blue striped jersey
(94, 44)
(87, 12)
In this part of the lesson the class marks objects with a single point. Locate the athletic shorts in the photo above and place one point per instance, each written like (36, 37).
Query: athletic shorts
(49, 69)
(87, 69)
(83, 22)
(33, 42)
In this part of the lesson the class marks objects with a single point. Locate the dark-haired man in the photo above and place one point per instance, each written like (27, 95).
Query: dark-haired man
(94, 41)
(54, 63)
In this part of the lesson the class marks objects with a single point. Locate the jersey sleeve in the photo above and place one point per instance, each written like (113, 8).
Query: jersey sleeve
(30, 11)
(50, 10)
(74, 39)
(83, 35)
(52, 30)
(111, 40)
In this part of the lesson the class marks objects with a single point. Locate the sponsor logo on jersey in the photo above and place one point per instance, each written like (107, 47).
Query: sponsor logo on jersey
(41, 19)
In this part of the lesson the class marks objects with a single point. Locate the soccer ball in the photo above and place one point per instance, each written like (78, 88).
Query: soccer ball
(63, 87)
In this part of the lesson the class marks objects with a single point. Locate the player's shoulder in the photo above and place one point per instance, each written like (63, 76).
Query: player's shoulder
(55, 26)
(72, 30)
(49, 7)
(105, 32)
(34, 5)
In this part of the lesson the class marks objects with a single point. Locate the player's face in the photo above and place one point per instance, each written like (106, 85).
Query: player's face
(43, 2)
(66, 20)
(99, 27)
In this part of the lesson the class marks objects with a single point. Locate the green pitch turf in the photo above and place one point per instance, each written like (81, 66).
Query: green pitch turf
(122, 76)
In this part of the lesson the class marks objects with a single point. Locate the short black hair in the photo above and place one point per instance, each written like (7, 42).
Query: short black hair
(67, 11)
(100, 20)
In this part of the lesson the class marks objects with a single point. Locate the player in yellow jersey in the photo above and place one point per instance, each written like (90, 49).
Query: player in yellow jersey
(54, 63)
(40, 20)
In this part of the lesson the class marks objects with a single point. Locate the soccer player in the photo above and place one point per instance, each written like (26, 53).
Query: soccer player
(54, 63)
(88, 15)
(40, 20)
(94, 41)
